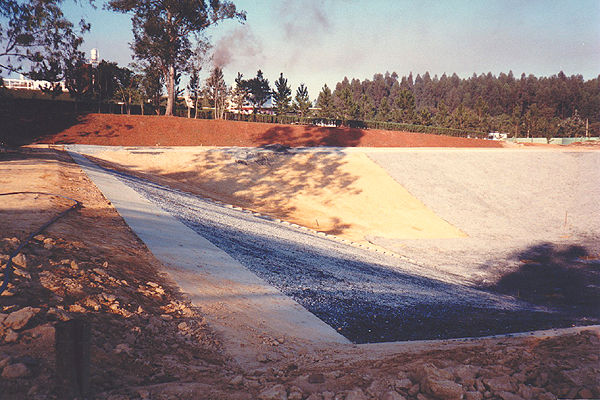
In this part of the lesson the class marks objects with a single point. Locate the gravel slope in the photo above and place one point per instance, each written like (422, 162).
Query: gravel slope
(508, 202)
(366, 296)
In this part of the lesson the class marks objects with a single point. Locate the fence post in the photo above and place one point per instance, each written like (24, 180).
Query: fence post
(73, 358)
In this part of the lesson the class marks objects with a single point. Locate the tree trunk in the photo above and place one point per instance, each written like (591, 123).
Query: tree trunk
(170, 90)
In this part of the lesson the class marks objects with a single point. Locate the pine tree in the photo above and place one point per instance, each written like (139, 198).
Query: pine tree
(216, 92)
(325, 103)
(282, 96)
(259, 91)
(239, 93)
(302, 102)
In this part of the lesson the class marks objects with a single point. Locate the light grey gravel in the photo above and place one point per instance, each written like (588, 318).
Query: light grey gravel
(507, 201)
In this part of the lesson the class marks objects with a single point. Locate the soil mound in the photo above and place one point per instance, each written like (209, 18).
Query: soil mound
(139, 130)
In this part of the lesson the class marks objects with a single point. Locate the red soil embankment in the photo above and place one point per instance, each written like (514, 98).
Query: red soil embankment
(136, 130)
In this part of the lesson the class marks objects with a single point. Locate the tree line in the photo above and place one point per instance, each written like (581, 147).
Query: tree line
(530, 106)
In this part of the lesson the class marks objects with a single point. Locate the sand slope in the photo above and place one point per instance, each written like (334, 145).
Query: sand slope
(344, 194)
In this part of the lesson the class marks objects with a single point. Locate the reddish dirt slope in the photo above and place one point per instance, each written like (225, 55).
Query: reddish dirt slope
(135, 130)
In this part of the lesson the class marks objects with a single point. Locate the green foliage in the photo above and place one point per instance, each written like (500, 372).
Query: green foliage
(325, 103)
(346, 107)
(239, 93)
(37, 40)
(216, 92)
(282, 96)
(256, 90)
(530, 105)
(193, 89)
(302, 101)
(163, 31)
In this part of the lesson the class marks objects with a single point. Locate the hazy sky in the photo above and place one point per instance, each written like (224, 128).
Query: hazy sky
(322, 41)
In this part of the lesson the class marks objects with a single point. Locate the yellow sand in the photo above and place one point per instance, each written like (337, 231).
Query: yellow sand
(347, 195)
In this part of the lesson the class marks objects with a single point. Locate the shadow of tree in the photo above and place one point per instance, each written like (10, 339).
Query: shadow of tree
(558, 276)
(310, 136)
(20, 128)
(265, 180)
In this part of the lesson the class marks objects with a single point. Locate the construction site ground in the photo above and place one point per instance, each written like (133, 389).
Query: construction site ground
(149, 341)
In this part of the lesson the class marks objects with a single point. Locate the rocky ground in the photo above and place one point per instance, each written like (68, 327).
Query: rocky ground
(148, 342)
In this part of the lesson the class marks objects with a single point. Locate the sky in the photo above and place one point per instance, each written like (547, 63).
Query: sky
(319, 42)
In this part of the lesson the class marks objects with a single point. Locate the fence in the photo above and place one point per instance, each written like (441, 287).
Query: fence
(36, 105)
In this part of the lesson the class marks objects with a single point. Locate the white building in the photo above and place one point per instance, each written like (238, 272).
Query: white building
(29, 84)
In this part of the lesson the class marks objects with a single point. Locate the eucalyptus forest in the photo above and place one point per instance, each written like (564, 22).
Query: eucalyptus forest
(527, 106)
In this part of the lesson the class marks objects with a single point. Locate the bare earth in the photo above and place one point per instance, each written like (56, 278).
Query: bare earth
(148, 342)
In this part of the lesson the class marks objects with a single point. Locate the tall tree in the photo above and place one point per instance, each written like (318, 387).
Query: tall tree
(78, 79)
(347, 108)
(217, 92)
(259, 91)
(302, 101)
(325, 103)
(105, 76)
(239, 93)
(37, 40)
(198, 61)
(162, 31)
(127, 86)
(282, 96)
(151, 84)
(194, 91)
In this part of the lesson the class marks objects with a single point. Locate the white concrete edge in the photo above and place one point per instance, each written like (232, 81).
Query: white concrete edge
(204, 272)
(542, 334)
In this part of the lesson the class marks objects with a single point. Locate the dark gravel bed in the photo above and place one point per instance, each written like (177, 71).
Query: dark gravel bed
(366, 296)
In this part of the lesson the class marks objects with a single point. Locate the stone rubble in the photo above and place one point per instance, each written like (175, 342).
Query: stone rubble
(148, 341)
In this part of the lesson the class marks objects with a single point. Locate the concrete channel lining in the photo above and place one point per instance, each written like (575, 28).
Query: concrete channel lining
(212, 279)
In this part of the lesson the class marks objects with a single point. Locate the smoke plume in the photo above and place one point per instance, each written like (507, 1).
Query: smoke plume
(241, 47)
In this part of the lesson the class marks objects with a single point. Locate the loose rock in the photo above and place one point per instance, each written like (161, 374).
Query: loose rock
(15, 371)
(277, 392)
(356, 394)
(18, 319)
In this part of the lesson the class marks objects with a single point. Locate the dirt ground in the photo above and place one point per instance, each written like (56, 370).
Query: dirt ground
(147, 341)
(136, 130)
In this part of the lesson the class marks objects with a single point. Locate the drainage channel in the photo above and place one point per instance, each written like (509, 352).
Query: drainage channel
(365, 296)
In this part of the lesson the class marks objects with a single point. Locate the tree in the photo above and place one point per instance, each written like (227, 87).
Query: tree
(151, 84)
(346, 107)
(162, 31)
(259, 91)
(78, 79)
(196, 64)
(194, 91)
(105, 82)
(367, 108)
(325, 103)
(127, 86)
(405, 103)
(36, 34)
(239, 94)
(383, 112)
(572, 127)
(216, 92)
(282, 96)
(302, 102)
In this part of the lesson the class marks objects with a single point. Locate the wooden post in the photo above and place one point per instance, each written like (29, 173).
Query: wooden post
(73, 358)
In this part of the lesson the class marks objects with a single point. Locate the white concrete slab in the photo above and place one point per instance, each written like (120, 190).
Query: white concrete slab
(212, 279)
